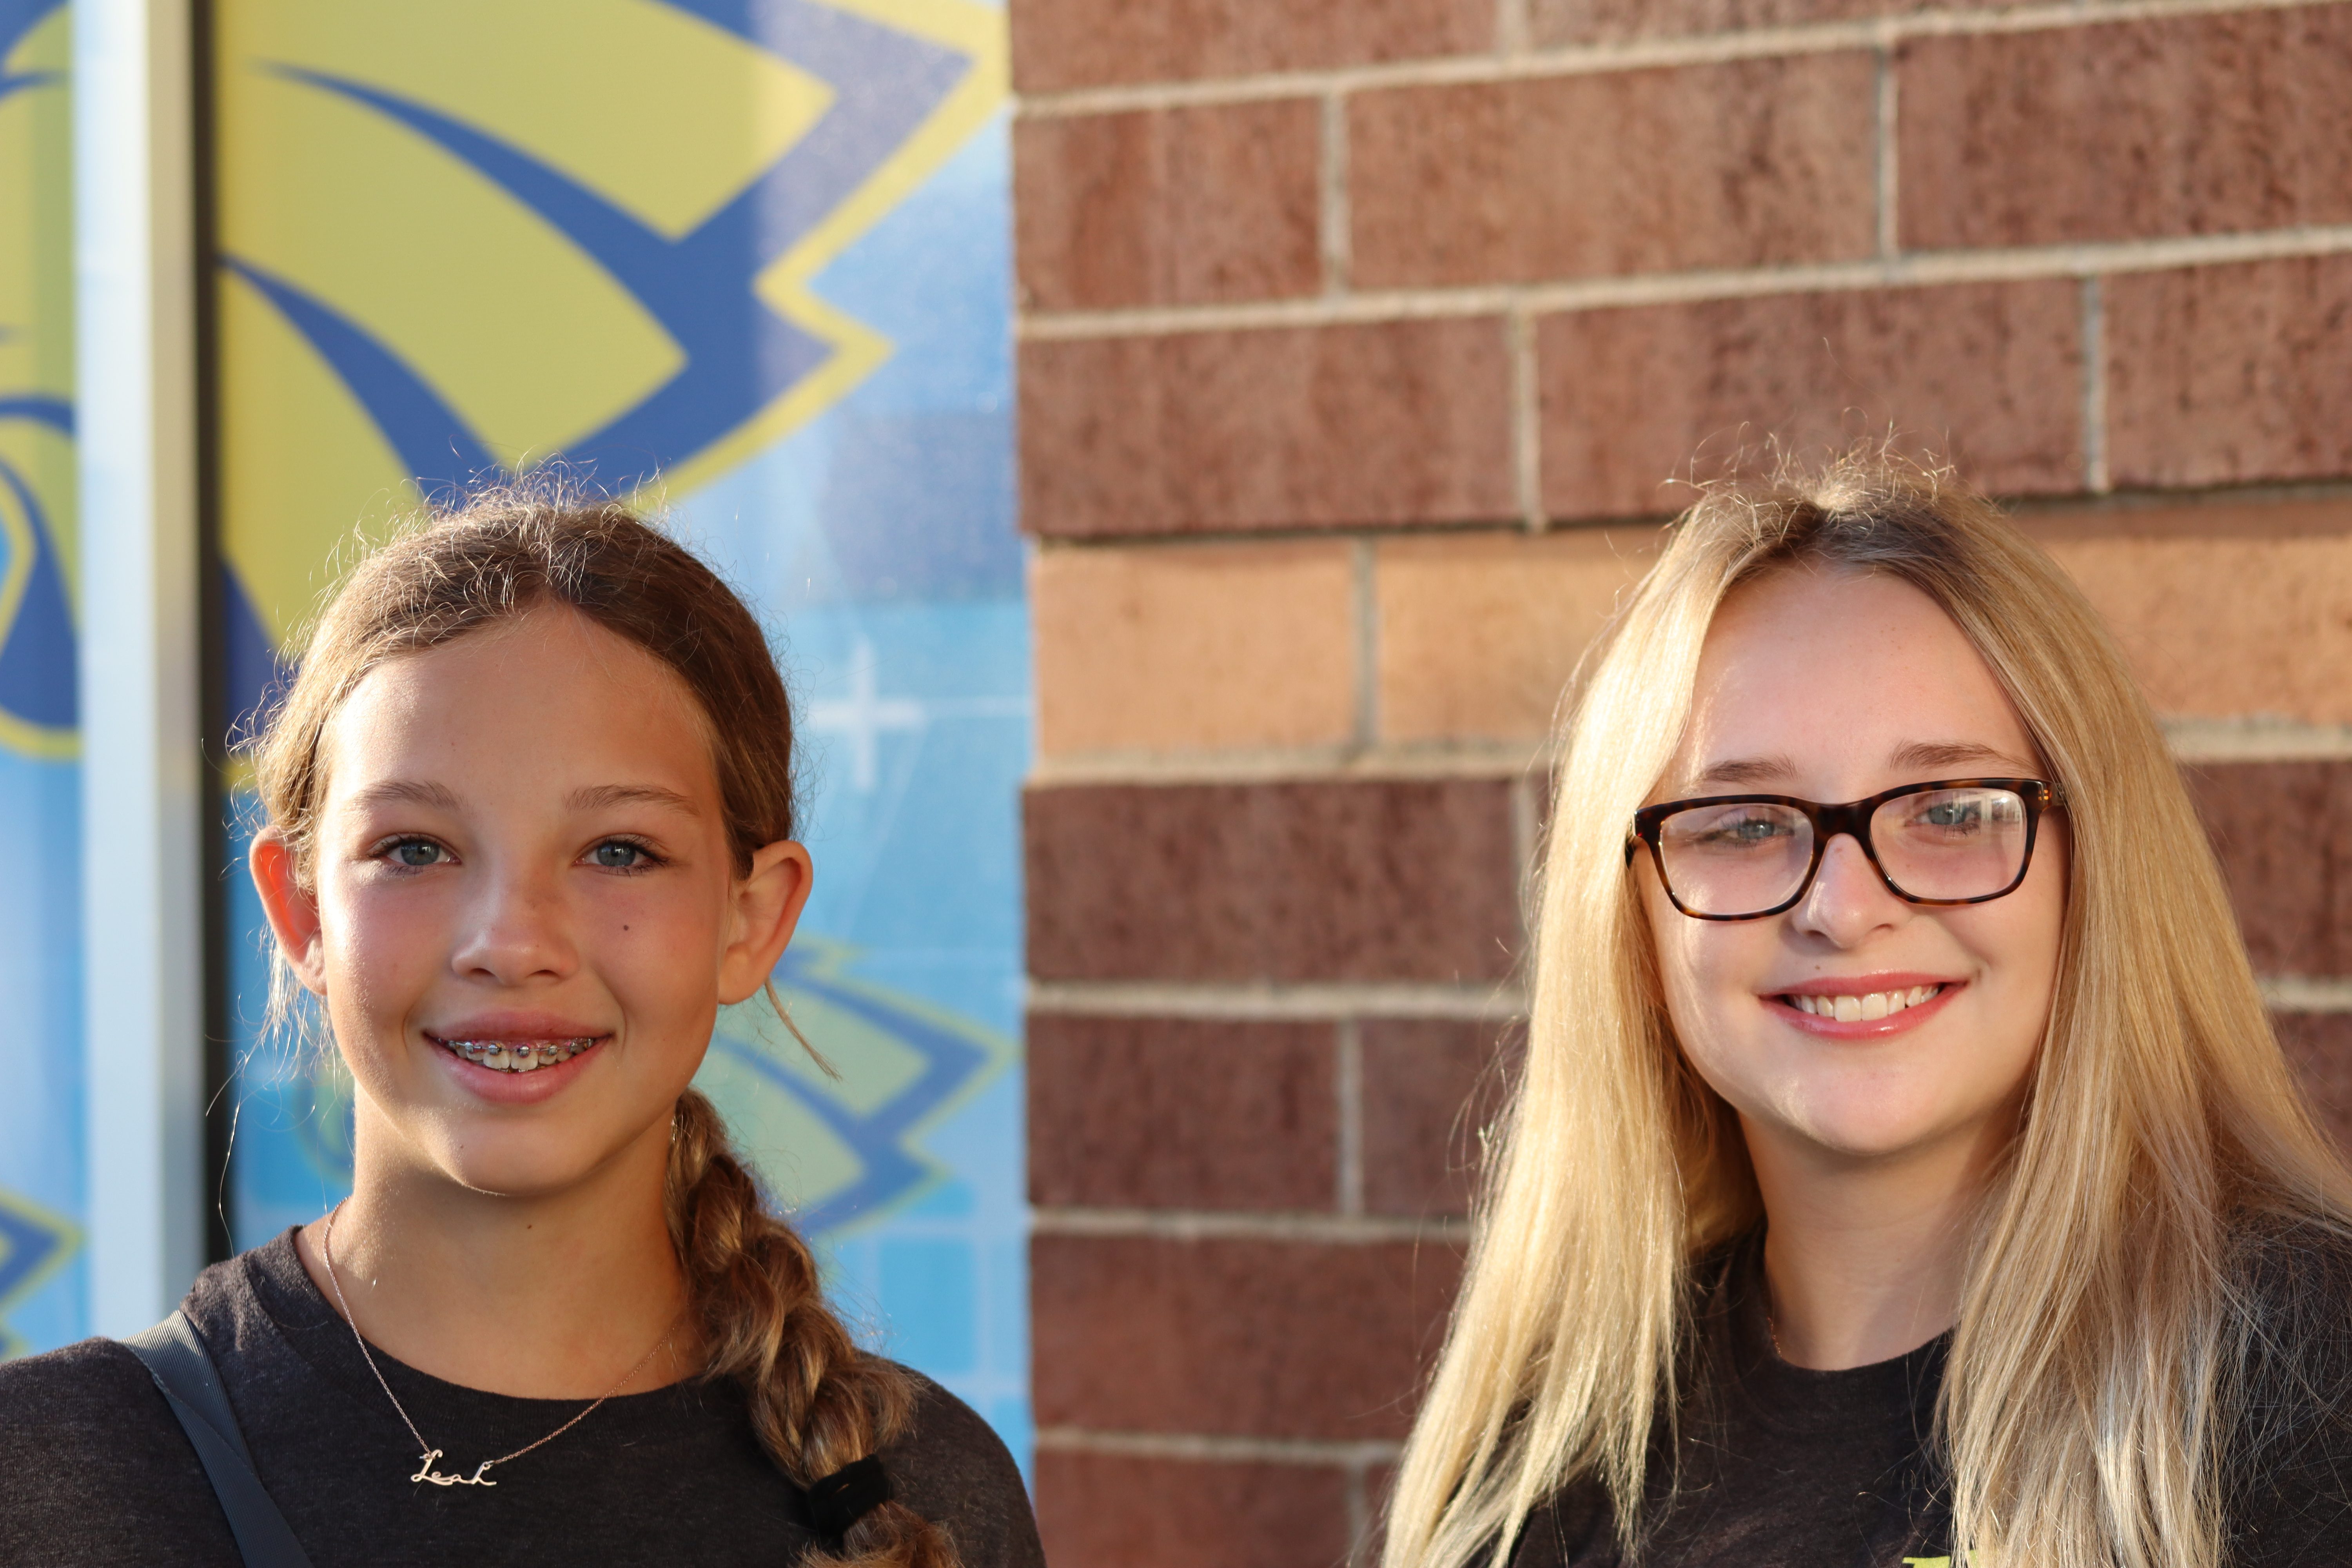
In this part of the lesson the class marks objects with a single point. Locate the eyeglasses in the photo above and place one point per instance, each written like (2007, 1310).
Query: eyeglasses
(1743, 856)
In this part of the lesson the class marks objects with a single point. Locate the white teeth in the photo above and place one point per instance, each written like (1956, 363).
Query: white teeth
(1851, 1009)
(519, 1056)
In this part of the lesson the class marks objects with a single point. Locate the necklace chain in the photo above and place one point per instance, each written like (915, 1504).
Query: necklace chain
(425, 1471)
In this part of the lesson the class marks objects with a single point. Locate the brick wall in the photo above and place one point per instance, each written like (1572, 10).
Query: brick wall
(1359, 339)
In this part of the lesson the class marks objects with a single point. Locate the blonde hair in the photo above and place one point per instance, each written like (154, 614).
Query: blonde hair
(2101, 1321)
(818, 1402)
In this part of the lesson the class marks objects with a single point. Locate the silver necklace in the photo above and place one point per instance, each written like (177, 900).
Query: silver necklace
(425, 1470)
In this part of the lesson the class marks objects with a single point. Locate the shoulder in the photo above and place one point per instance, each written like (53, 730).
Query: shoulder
(97, 1469)
(952, 1468)
(2287, 1463)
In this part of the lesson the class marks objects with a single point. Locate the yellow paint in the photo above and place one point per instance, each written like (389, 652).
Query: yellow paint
(656, 111)
(312, 462)
(976, 31)
(527, 337)
(69, 1239)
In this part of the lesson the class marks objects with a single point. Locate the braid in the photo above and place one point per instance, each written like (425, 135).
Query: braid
(818, 1402)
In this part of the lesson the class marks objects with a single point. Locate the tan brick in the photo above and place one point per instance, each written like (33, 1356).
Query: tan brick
(2186, 125)
(1988, 374)
(1109, 1510)
(1389, 423)
(1175, 207)
(1063, 44)
(1194, 647)
(2229, 375)
(1744, 164)
(2226, 610)
(1559, 22)
(1479, 632)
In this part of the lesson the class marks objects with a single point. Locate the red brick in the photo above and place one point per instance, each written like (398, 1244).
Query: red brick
(1429, 1086)
(2283, 834)
(1171, 1114)
(2188, 125)
(1174, 207)
(1988, 374)
(1391, 423)
(1556, 22)
(2319, 1048)
(1107, 1510)
(1270, 1339)
(1744, 164)
(1063, 44)
(2229, 374)
(1354, 879)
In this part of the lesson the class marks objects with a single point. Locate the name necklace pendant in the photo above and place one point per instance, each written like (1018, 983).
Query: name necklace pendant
(425, 1470)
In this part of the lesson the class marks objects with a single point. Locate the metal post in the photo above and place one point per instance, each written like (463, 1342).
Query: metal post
(140, 714)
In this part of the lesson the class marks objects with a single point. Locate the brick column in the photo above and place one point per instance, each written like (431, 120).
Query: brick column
(1359, 344)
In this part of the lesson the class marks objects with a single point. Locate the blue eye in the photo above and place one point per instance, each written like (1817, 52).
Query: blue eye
(417, 852)
(618, 855)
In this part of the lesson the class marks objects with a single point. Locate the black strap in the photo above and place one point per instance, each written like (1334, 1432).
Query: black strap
(846, 1496)
(184, 1370)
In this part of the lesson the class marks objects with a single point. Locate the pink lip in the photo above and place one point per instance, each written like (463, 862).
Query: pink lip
(516, 1088)
(1862, 986)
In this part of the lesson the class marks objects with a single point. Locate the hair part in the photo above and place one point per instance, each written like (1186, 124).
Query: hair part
(818, 1402)
(2102, 1323)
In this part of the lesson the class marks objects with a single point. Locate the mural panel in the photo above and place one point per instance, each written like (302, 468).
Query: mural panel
(746, 260)
(42, 1302)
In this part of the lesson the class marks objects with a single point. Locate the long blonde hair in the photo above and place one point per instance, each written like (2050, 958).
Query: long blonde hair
(818, 1402)
(2101, 1318)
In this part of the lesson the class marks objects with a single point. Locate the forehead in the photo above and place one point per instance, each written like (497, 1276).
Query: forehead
(548, 699)
(1838, 673)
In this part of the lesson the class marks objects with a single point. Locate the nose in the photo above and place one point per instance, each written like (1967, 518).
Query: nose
(515, 929)
(1848, 900)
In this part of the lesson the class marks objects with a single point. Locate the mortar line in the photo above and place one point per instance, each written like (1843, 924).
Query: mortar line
(1360, 1512)
(1527, 419)
(1348, 1084)
(2300, 994)
(1336, 219)
(1367, 643)
(2094, 387)
(1912, 269)
(1505, 63)
(1512, 33)
(1889, 231)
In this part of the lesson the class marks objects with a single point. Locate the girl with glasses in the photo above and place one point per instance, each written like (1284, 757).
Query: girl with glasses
(1904, 1170)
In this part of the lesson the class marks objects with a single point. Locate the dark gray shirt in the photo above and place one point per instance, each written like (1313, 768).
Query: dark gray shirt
(1782, 1466)
(94, 1469)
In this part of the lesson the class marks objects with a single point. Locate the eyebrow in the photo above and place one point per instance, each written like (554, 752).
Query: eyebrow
(598, 797)
(440, 796)
(1924, 757)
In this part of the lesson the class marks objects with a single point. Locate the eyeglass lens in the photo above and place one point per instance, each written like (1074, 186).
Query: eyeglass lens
(1746, 857)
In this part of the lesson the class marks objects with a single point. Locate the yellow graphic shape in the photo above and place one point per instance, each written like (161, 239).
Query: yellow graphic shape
(977, 32)
(35, 1243)
(769, 1089)
(522, 333)
(37, 334)
(656, 110)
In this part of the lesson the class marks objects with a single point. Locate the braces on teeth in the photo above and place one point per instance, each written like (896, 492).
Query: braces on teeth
(518, 1056)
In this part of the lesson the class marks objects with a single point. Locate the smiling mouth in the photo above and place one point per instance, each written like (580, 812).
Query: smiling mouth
(1863, 1008)
(516, 1056)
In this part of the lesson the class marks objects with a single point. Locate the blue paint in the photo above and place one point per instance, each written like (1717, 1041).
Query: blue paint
(36, 662)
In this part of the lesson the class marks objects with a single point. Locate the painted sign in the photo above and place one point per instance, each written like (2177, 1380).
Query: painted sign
(747, 262)
(41, 1290)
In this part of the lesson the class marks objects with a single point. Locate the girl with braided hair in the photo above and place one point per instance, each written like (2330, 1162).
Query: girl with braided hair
(530, 825)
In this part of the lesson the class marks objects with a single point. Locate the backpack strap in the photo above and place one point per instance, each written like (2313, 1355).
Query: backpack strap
(184, 1370)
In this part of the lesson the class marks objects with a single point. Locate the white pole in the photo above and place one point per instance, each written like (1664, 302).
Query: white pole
(142, 796)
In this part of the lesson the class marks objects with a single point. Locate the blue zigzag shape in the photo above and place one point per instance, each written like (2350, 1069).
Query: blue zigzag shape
(38, 654)
(19, 17)
(885, 1170)
(27, 1249)
(739, 354)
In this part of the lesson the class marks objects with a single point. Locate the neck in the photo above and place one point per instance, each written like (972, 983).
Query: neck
(1864, 1259)
(545, 1296)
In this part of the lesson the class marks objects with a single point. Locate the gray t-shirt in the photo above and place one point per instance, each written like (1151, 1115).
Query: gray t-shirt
(95, 1470)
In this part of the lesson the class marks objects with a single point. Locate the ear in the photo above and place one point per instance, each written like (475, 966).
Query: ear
(767, 906)
(293, 912)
